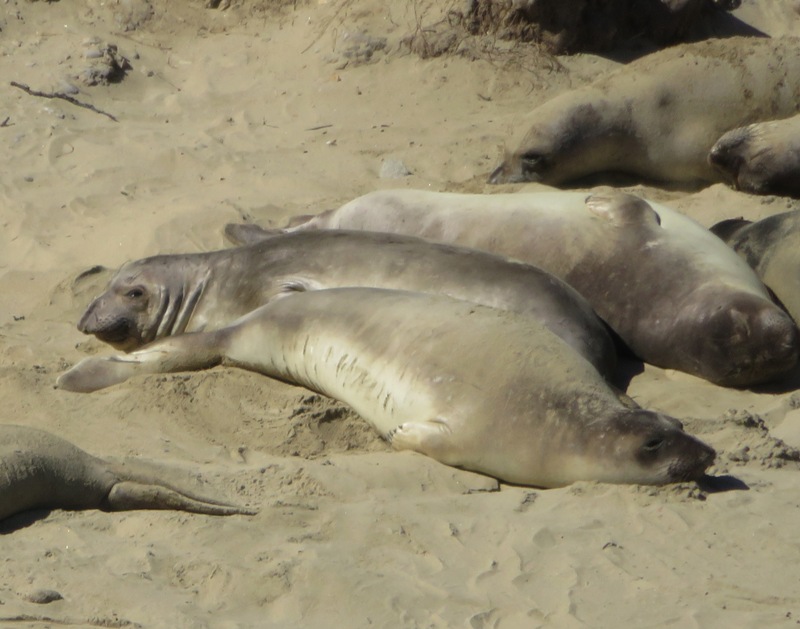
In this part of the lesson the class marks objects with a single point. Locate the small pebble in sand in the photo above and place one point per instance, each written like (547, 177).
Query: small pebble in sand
(393, 168)
(42, 597)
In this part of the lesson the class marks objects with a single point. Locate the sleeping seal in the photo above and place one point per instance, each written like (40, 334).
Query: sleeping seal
(40, 470)
(671, 290)
(771, 247)
(484, 389)
(659, 116)
(164, 295)
(761, 158)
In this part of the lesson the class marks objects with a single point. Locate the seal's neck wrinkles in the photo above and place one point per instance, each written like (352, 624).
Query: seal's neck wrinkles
(177, 305)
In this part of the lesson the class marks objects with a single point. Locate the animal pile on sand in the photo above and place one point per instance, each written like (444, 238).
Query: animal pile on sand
(483, 330)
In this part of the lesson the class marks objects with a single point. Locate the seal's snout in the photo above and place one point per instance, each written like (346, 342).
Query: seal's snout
(727, 156)
(779, 337)
(750, 341)
(88, 322)
(695, 458)
(500, 174)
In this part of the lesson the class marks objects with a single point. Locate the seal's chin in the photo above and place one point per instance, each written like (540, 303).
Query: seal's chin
(120, 335)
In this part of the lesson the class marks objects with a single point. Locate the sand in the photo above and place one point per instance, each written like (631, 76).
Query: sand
(260, 112)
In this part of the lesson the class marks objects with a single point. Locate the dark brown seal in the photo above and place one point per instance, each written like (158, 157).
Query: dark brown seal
(164, 295)
(771, 247)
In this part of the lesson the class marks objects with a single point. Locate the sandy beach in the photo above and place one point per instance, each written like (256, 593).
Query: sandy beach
(258, 112)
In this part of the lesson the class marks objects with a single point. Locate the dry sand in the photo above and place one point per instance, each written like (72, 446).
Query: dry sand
(261, 112)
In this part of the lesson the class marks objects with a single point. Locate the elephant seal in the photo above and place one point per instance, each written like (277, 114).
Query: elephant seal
(659, 116)
(488, 390)
(164, 295)
(761, 158)
(771, 247)
(40, 470)
(676, 295)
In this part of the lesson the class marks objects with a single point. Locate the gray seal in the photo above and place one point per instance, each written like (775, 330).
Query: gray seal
(658, 117)
(40, 470)
(475, 387)
(676, 295)
(761, 158)
(771, 247)
(164, 295)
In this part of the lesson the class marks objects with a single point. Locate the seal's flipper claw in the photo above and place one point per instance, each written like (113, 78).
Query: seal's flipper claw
(426, 437)
(129, 495)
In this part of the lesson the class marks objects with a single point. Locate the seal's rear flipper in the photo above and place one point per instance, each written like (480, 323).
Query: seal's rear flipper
(128, 495)
(242, 234)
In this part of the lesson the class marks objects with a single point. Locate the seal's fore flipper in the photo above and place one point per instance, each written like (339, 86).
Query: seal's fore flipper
(94, 373)
(622, 208)
(186, 352)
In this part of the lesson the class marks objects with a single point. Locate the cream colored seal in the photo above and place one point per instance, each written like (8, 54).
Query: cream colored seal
(484, 389)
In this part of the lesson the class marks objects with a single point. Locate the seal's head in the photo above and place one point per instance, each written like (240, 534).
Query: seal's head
(664, 452)
(543, 156)
(761, 158)
(728, 155)
(569, 140)
(146, 299)
(634, 445)
(747, 340)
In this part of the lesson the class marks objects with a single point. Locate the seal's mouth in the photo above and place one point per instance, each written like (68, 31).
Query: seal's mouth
(117, 333)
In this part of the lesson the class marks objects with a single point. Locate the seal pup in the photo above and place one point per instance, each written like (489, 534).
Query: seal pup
(164, 295)
(626, 121)
(676, 295)
(761, 158)
(475, 387)
(771, 247)
(40, 470)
